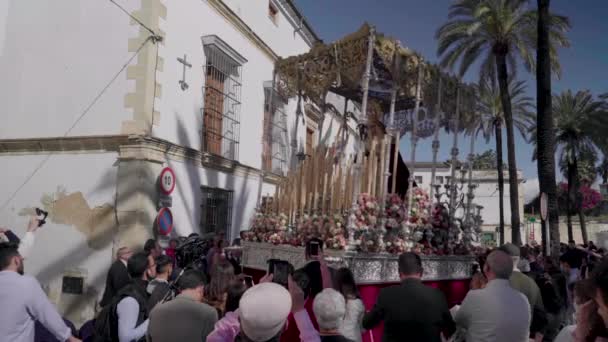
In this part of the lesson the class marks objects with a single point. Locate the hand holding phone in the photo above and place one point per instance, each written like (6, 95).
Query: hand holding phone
(314, 248)
(280, 271)
(248, 281)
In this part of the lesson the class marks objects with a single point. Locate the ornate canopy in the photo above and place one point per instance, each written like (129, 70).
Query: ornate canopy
(340, 66)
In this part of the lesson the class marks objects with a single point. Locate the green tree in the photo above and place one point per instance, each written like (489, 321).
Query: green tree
(502, 31)
(580, 127)
(587, 171)
(491, 118)
(485, 160)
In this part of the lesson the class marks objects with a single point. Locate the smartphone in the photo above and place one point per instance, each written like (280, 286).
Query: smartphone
(40, 212)
(280, 270)
(248, 281)
(314, 248)
(281, 273)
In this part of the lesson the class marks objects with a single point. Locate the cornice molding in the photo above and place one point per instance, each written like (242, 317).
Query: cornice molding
(132, 147)
(240, 25)
(108, 143)
(217, 42)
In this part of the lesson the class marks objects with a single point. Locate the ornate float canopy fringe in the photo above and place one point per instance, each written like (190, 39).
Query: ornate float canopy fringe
(339, 67)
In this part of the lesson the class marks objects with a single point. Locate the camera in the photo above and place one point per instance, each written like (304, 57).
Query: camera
(191, 252)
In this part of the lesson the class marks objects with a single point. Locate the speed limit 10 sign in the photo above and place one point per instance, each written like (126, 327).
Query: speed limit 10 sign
(167, 181)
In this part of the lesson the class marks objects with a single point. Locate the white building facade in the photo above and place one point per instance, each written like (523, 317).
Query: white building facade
(99, 97)
(486, 195)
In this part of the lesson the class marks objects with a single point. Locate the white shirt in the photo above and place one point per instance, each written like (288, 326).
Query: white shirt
(22, 303)
(351, 325)
(566, 334)
(497, 313)
(128, 310)
(26, 244)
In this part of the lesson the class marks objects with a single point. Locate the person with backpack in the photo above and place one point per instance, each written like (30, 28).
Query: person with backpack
(126, 318)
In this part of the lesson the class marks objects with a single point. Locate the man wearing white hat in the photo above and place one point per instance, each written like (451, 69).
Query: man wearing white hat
(263, 312)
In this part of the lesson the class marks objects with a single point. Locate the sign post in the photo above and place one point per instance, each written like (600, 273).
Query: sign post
(544, 209)
(166, 183)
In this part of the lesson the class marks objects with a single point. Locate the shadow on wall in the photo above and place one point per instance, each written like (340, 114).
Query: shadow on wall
(100, 227)
(211, 179)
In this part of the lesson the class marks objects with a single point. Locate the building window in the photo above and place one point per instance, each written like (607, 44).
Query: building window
(439, 180)
(222, 98)
(275, 132)
(418, 179)
(216, 211)
(273, 12)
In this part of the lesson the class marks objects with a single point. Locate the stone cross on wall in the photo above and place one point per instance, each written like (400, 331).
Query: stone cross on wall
(182, 82)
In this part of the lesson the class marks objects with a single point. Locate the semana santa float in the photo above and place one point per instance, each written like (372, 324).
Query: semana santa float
(366, 207)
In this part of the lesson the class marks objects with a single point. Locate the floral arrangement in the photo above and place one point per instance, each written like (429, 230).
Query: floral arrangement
(418, 213)
(393, 228)
(267, 228)
(367, 233)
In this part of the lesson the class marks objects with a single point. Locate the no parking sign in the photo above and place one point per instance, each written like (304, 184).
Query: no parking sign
(164, 221)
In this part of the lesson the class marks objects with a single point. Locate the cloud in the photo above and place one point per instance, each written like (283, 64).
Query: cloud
(531, 190)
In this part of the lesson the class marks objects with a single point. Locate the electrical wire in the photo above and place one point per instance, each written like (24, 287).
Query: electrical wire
(80, 117)
(134, 18)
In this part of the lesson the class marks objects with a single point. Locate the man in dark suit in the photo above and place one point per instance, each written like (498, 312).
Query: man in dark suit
(118, 276)
(411, 311)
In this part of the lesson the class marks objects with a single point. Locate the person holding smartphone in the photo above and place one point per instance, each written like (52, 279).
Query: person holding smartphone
(27, 242)
(227, 328)
(319, 278)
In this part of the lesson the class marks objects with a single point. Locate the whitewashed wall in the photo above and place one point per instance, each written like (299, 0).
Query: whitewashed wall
(187, 21)
(187, 196)
(279, 35)
(55, 57)
(60, 246)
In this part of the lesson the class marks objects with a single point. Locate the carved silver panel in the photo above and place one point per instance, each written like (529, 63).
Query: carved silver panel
(367, 268)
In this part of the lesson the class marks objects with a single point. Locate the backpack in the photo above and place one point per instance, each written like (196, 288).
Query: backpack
(106, 323)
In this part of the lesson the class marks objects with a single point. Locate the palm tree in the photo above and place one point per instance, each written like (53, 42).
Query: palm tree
(502, 30)
(580, 127)
(544, 138)
(582, 172)
(491, 118)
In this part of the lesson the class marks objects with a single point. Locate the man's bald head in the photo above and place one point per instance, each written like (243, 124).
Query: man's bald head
(124, 253)
(499, 265)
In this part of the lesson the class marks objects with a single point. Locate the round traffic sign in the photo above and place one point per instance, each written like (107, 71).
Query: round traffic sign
(167, 181)
(543, 206)
(164, 221)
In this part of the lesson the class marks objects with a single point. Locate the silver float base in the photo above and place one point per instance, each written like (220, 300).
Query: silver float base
(367, 268)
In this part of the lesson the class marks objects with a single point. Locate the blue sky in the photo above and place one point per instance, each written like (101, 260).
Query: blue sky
(414, 22)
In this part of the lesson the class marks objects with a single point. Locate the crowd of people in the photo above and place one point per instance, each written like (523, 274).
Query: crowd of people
(516, 294)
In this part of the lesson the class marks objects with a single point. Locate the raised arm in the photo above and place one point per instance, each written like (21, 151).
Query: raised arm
(308, 333)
